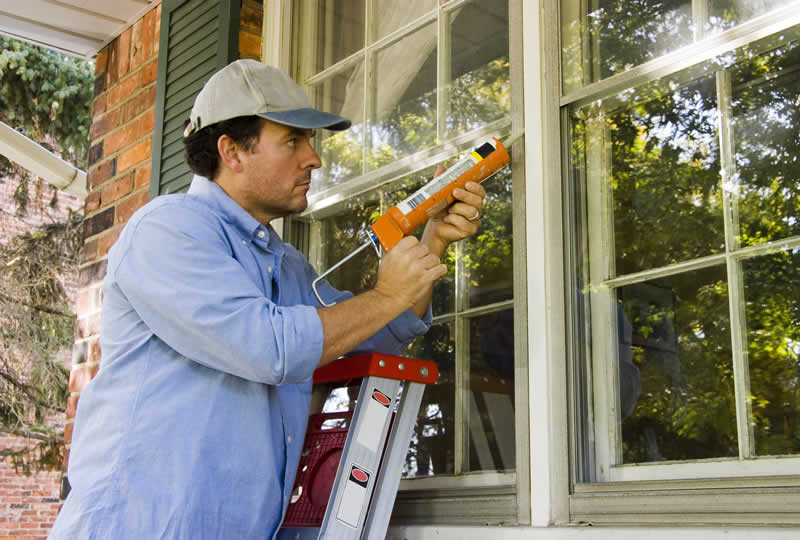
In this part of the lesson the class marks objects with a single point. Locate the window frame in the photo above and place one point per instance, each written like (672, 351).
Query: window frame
(472, 497)
(739, 491)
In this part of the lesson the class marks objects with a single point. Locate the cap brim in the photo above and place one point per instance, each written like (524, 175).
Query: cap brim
(308, 119)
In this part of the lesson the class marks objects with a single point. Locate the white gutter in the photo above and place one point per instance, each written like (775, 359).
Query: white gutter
(41, 162)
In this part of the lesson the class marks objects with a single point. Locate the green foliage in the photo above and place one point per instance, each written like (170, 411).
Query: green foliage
(37, 324)
(658, 150)
(47, 96)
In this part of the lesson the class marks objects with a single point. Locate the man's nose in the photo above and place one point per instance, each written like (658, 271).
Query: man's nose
(310, 157)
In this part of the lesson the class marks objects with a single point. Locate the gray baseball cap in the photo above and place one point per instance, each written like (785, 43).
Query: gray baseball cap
(250, 88)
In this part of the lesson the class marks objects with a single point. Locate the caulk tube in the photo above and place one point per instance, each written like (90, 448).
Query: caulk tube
(437, 194)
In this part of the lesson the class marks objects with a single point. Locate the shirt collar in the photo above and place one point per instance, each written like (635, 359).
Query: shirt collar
(242, 221)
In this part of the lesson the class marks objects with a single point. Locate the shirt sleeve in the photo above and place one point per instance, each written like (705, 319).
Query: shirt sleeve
(190, 291)
(392, 338)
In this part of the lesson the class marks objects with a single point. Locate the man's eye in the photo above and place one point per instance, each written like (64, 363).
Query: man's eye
(292, 141)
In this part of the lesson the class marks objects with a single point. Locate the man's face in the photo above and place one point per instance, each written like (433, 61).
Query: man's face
(277, 172)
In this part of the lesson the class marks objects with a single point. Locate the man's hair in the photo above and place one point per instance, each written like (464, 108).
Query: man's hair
(200, 148)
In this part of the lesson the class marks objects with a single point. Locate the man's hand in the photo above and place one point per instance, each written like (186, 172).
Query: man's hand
(408, 271)
(459, 221)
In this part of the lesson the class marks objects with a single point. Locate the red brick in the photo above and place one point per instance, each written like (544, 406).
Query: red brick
(157, 34)
(137, 45)
(127, 207)
(101, 61)
(251, 16)
(72, 404)
(99, 174)
(114, 191)
(104, 243)
(124, 136)
(141, 102)
(104, 124)
(89, 325)
(92, 202)
(122, 91)
(89, 251)
(249, 45)
(142, 178)
(148, 33)
(94, 356)
(99, 105)
(79, 377)
(124, 53)
(134, 155)
(149, 73)
(113, 62)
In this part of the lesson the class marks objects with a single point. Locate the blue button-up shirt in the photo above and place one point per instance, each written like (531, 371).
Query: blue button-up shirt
(194, 424)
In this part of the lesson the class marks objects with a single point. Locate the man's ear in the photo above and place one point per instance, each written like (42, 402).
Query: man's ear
(229, 153)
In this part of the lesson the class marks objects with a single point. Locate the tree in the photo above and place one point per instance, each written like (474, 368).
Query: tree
(46, 96)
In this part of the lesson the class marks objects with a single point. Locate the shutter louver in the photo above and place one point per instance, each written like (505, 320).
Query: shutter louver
(198, 37)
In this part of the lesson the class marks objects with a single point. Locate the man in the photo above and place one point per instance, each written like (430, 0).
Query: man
(193, 426)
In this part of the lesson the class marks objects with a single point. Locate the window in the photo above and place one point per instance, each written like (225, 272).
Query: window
(682, 202)
(423, 82)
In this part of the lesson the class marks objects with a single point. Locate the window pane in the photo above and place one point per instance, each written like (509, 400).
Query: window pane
(766, 94)
(488, 257)
(340, 151)
(391, 14)
(340, 30)
(603, 38)
(480, 91)
(675, 368)
(724, 14)
(405, 99)
(656, 163)
(340, 236)
(431, 450)
(772, 304)
(491, 392)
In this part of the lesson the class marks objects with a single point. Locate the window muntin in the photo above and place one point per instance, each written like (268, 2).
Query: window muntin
(669, 181)
(433, 81)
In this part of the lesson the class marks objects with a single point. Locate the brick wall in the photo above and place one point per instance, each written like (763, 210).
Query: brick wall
(28, 504)
(119, 166)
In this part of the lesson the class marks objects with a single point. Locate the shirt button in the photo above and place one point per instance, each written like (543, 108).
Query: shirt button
(244, 242)
(261, 234)
(269, 269)
(289, 439)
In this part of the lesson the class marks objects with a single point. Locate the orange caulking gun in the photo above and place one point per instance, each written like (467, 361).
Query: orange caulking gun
(429, 200)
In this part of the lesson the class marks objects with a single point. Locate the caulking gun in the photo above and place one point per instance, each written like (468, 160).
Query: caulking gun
(432, 198)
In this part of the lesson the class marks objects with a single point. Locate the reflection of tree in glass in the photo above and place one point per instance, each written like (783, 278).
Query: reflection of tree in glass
(665, 179)
(627, 33)
(766, 117)
(432, 445)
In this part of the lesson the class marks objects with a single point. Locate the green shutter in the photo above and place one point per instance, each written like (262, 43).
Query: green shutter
(198, 37)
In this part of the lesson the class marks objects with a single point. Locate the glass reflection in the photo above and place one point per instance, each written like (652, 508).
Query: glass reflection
(391, 14)
(675, 368)
(602, 38)
(658, 159)
(340, 30)
(405, 98)
(340, 237)
(772, 304)
(480, 88)
(766, 94)
(491, 392)
(340, 151)
(487, 258)
(432, 445)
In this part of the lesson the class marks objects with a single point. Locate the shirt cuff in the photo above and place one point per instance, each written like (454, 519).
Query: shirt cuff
(407, 326)
(308, 345)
